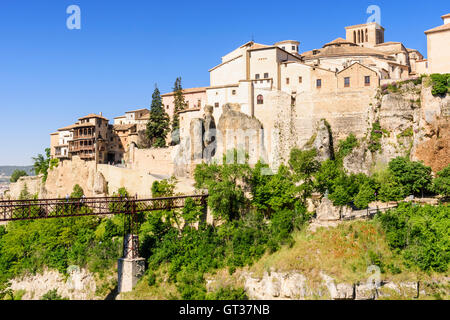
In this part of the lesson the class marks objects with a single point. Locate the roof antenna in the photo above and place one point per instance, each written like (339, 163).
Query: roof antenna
(253, 38)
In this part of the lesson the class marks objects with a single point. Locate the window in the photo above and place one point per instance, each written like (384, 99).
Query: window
(287, 80)
(347, 82)
(293, 48)
(319, 83)
(367, 80)
(266, 75)
(257, 76)
(300, 79)
(284, 48)
(216, 104)
(233, 92)
(260, 99)
(199, 103)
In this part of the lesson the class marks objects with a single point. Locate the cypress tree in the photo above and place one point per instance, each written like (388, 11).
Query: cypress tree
(158, 123)
(180, 104)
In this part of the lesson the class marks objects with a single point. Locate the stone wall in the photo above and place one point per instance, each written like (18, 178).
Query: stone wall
(154, 161)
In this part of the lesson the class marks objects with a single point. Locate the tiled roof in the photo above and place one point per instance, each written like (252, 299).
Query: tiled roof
(186, 91)
(93, 115)
(339, 41)
(144, 109)
(332, 51)
(68, 127)
(444, 27)
(123, 127)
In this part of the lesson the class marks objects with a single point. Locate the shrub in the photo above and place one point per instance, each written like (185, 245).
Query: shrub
(17, 174)
(441, 83)
(420, 234)
(365, 196)
(346, 146)
(413, 176)
(228, 293)
(53, 295)
(441, 184)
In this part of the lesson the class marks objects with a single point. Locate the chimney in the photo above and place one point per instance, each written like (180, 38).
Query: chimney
(101, 114)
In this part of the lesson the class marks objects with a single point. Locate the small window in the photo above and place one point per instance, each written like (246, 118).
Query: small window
(260, 99)
(216, 104)
(199, 103)
(233, 92)
(287, 80)
(367, 80)
(347, 82)
(266, 75)
(257, 76)
(300, 79)
(319, 83)
(293, 48)
(284, 48)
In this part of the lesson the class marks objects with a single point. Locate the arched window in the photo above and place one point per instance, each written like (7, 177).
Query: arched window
(359, 36)
(354, 36)
(259, 99)
(367, 36)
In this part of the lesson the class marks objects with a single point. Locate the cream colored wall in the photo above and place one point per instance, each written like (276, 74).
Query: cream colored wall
(357, 74)
(439, 52)
(225, 95)
(229, 73)
(422, 67)
(264, 61)
(293, 71)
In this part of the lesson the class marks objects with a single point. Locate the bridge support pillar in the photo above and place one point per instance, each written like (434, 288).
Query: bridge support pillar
(129, 270)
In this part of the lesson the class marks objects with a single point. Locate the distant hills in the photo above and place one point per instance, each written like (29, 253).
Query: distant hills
(8, 170)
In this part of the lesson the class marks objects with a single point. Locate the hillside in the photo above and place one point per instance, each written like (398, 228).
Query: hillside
(8, 170)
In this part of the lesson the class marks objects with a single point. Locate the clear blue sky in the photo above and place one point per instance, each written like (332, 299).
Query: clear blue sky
(50, 76)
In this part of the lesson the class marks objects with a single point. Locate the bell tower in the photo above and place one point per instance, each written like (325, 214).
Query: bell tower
(365, 35)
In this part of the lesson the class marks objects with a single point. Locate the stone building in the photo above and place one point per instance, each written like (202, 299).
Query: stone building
(195, 99)
(438, 47)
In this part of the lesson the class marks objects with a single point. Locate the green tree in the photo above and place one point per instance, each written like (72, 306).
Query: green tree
(43, 164)
(226, 185)
(365, 196)
(414, 176)
(159, 122)
(180, 104)
(17, 174)
(441, 184)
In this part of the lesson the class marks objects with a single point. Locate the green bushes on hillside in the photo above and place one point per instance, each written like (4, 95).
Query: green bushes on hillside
(421, 234)
(440, 83)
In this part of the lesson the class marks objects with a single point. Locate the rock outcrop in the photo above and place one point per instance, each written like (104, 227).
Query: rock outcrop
(80, 285)
(294, 285)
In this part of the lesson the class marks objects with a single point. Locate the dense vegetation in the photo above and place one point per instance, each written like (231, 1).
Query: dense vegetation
(420, 234)
(259, 212)
(17, 174)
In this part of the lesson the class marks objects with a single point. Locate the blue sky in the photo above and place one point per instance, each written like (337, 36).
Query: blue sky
(50, 76)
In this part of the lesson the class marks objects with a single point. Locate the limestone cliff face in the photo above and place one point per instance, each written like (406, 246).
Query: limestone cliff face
(413, 123)
(61, 180)
(294, 285)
